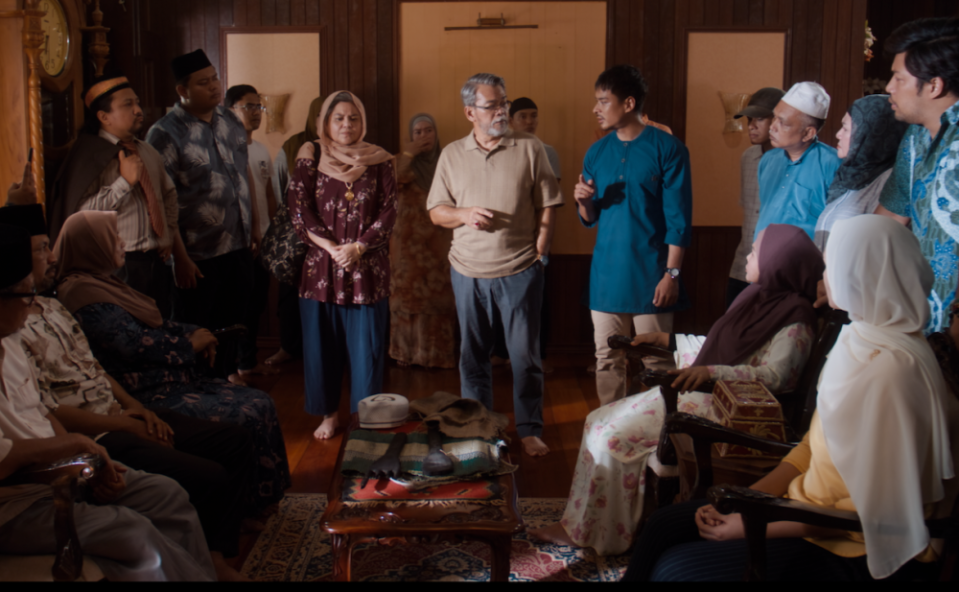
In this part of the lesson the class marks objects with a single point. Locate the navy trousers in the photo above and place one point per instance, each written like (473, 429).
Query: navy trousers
(517, 300)
(338, 337)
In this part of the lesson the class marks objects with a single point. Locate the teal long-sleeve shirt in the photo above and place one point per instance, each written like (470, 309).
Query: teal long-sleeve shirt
(643, 205)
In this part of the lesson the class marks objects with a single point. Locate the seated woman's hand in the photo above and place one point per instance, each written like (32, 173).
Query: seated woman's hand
(205, 342)
(714, 526)
(659, 339)
(689, 379)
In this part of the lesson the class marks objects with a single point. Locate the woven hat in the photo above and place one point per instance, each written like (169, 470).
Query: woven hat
(810, 98)
(383, 411)
(459, 417)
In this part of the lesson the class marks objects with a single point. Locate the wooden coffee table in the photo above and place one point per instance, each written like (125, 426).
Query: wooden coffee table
(392, 522)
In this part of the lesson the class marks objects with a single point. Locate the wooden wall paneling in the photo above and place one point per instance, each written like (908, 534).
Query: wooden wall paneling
(298, 12)
(253, 16)
(268, 11)
(239, 13)
(696, 12)
(771, 12)
(798, 25)
(741, 12)
(727, 12)
(711, 13)
(757, 12)
(651, 54)
(667, 81)
(370, 49)
(283, 8)
(678, 75)
(814, 35)
(317, 13)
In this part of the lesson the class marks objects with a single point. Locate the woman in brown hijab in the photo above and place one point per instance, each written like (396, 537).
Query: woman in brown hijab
(422, 309)
(156, 361)
(342, 201)
(766, 335)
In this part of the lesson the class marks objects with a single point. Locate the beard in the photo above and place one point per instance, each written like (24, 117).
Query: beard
(495, 132)
(49, 280)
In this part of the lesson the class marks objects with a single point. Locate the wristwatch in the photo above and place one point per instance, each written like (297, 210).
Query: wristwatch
(673, 272)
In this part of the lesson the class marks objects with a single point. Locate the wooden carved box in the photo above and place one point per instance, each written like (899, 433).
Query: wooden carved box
(749, 407)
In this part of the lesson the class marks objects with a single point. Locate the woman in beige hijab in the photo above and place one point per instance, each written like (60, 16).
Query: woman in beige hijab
(342, 198)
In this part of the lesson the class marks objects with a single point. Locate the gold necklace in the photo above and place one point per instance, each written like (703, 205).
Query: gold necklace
(349, 192)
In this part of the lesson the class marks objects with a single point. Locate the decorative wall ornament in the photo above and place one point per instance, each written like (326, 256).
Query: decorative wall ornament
(733, 103)
(275, 106)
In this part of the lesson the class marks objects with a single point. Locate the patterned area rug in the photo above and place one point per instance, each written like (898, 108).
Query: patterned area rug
(294, 549)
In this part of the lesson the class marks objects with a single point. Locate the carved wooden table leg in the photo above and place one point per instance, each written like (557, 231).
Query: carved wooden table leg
(499, 562)
(342, 557)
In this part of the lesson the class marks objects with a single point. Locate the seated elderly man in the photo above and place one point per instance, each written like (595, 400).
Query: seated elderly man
(210, 460)
(134, 525)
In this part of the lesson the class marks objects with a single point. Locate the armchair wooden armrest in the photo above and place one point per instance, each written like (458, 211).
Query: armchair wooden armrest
(704, 434)
(758, 509)
(63, 477)
(643, 349)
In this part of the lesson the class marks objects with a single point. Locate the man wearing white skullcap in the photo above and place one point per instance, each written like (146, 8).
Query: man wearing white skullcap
(795, 176)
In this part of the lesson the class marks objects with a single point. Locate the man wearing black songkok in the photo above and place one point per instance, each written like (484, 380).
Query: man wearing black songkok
(204, 150)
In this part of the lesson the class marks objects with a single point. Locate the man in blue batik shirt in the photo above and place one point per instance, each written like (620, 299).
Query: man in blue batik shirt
(204, 150)
(794, 180)
(924, 186)
(636, 188)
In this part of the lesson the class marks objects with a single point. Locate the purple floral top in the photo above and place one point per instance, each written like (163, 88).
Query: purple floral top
(318, 204)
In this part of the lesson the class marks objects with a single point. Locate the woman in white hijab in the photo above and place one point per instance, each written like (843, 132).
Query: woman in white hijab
(882, 442)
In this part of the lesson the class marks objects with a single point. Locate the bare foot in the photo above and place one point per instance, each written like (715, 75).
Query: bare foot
(225, 573)
(533, 446)
(554, 535)
(260, 369)
(236, 379)
(280, 357)
(327, 428)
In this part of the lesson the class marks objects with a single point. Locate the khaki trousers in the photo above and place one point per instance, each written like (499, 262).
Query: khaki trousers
(611, 379)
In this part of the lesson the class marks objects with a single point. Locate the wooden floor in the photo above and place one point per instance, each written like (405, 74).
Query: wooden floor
(570, 395)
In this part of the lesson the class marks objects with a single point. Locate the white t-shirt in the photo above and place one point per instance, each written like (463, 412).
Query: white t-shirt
(261, 170)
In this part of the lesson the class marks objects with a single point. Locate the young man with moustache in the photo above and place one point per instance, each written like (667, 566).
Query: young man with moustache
(923, 189)
(495, 189)
(134, 525)
(794, 180)
(204, 149)
(109, 169)
(636, 189)
(759, 113)
(245, 103)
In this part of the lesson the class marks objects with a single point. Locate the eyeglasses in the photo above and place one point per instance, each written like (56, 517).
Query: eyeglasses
(504, 107)
(252, 107)
(28, 297)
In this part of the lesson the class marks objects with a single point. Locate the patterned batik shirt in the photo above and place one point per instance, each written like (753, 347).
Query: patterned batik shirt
(924, 187)
(208, 163)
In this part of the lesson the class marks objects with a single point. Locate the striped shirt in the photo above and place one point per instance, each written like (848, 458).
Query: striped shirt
(110, 192)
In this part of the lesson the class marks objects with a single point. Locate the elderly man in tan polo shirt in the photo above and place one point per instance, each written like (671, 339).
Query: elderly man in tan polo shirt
(496, 190)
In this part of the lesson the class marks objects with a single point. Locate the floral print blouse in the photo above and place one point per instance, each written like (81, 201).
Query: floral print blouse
(318, 204)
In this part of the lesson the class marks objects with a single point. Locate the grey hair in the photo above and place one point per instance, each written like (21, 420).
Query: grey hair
(468, 94)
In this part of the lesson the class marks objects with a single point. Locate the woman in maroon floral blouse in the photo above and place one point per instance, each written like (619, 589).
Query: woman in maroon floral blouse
(342, 198)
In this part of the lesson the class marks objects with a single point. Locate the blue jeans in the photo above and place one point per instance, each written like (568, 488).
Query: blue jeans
(517, 300)
(339, 336)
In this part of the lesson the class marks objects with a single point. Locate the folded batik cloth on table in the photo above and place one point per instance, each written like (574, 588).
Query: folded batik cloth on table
(472, 457)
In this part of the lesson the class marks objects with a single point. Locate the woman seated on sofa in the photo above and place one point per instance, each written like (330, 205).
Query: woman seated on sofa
(882, 441)
(766, 335)
(155, 360)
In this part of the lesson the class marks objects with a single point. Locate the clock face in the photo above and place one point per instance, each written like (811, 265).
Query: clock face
(56, 45)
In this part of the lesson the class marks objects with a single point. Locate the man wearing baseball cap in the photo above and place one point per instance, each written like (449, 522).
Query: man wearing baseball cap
(794, 179)
(759, 112)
